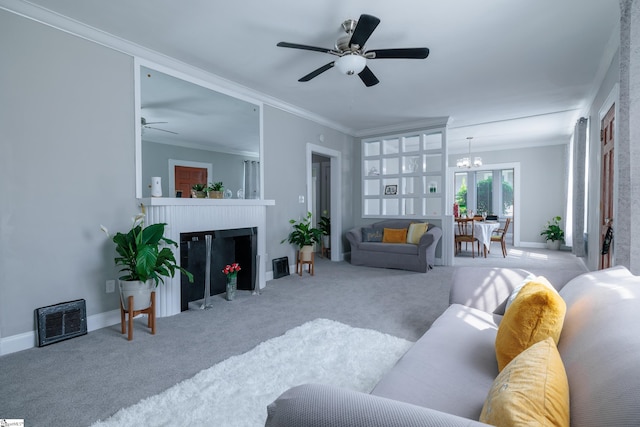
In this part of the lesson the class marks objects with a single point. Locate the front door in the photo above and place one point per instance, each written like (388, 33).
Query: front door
(606, 190)
(187, 176)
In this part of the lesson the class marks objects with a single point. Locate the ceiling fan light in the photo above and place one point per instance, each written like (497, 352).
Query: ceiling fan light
(351, 64)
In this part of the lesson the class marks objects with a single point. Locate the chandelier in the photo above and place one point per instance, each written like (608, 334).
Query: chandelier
(466, 162)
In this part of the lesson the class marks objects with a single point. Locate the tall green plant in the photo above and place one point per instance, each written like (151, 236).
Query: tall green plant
(552, 230)
(143, 253)
(303, 234)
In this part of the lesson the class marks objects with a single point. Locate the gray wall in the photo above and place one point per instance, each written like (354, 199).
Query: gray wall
(66, 166)
(228, 168)
(285, 140)
(543, 180)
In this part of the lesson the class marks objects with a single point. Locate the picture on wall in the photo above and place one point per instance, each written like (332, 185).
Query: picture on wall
(390, 190)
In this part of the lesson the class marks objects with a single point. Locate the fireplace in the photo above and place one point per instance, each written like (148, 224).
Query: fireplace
(227, 246)
(194, 215)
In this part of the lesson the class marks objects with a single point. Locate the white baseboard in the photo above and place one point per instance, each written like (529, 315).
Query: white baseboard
(27, 340)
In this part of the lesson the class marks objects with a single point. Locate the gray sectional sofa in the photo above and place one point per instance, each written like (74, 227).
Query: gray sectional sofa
(445, 377)
(404, 256)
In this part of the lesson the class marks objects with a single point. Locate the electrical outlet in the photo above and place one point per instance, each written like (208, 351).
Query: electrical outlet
(300, 199)
(111, 286)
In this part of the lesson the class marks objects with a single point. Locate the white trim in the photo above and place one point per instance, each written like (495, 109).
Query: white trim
(27, 340)
(336, 193)
(172, 173)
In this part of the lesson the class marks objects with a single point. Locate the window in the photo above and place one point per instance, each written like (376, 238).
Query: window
(488, 191)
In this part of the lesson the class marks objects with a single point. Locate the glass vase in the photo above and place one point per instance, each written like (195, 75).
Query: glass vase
(232, 285)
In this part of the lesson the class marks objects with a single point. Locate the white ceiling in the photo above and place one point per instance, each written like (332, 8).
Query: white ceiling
(505, 71)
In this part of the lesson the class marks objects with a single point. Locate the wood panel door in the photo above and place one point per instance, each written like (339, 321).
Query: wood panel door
(607, 139)
(186, 176)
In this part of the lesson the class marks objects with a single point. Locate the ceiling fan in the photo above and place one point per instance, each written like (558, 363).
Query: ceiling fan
(352, 58)
(145, 124)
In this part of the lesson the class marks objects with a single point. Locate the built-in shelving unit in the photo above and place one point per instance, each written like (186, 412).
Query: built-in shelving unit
(403, 175)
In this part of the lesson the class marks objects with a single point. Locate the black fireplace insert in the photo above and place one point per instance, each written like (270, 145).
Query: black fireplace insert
(227, 246)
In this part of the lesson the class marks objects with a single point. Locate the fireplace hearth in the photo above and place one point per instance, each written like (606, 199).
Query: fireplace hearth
(227, 246)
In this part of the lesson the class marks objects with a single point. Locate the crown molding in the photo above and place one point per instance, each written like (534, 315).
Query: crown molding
(76, 28)
(426, 123)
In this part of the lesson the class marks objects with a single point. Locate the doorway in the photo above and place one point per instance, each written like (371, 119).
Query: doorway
(607, 141)
(328, 164)
(183, 174)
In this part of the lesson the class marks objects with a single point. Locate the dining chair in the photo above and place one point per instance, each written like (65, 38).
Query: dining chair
(465, 233)
(492, 217)
(499, 235)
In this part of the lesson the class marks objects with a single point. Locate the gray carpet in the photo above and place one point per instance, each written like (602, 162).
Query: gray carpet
(77, 382)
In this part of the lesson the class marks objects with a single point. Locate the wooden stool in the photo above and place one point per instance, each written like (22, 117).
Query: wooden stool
(149, 311)
(300, 263)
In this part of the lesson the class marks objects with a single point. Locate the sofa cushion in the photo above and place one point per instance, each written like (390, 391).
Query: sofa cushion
(600, 347)
(394, 235)
(531, 390)
(371, 234)
(416, 230)
(536, 313)
(450, 368)
(390, 248)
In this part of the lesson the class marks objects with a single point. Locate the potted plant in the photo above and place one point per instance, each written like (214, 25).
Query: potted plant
(304, 236)
(145, 259)
(199, 191)
(553, 233)
(215, 190)
(325, 226)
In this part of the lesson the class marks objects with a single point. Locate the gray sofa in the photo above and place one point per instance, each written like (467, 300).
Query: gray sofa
(403, 256)
(446, 375)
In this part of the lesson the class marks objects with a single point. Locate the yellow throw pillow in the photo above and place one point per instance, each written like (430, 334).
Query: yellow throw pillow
(416, 230)
(394, 235)
(531, 390)
(536, 313)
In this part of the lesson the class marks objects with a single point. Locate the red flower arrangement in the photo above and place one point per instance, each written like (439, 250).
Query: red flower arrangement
(231, 270)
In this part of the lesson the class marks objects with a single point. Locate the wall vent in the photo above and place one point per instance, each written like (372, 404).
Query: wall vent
(60, 322)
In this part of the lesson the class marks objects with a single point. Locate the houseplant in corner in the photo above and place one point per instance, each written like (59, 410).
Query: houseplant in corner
(553, 233)
(304, 236)
(145, 259)
(215, 190)
(325, 226)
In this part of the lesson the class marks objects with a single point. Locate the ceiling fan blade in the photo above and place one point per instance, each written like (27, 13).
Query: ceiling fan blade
(409, 53)
(317, 72)
(163, 130)
(304, 47)
(368, 78)
(364, 29)
(153, 123)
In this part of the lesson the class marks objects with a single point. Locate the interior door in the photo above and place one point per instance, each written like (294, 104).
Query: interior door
(606, 190)
(187, 176)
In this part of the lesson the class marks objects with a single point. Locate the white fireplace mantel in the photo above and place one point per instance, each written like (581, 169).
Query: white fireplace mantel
(194, 215)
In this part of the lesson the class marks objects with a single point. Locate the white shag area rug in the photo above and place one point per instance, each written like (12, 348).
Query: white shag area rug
(236, 391)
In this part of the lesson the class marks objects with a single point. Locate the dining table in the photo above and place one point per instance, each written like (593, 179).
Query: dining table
(482, 230)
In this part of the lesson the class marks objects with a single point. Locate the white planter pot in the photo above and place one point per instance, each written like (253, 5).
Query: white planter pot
(305, 253)
(553, 245)
(326, 241)
(141, 292)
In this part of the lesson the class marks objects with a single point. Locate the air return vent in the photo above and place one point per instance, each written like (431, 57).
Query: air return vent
(60, 322)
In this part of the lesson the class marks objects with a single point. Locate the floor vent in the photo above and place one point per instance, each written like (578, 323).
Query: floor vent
(60, 322)
(280, 267)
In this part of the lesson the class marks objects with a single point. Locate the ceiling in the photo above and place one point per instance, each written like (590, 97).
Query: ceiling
(504, 71)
